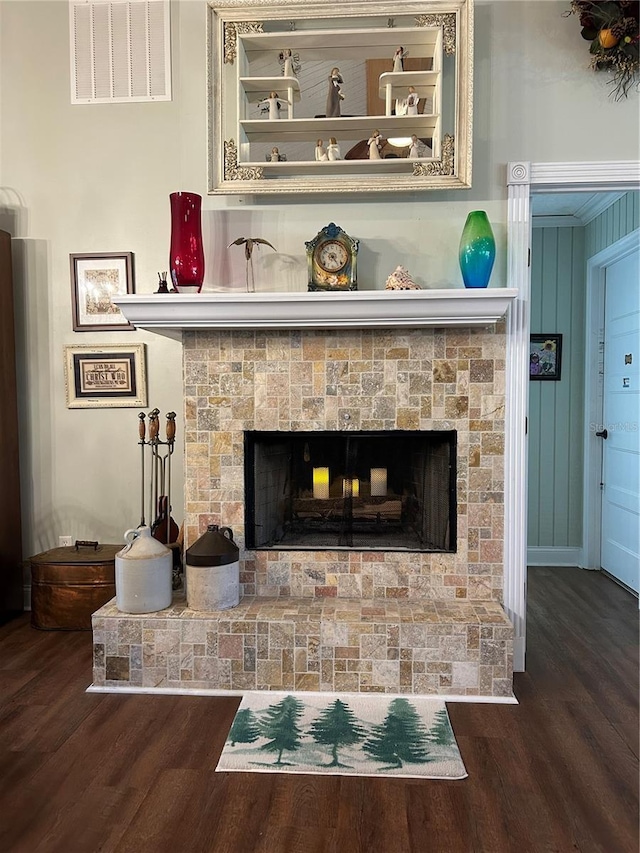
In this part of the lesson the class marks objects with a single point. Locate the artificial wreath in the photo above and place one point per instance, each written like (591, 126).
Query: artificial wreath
(612, 27)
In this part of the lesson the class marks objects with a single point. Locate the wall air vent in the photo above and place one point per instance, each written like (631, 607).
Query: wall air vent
(120, 52)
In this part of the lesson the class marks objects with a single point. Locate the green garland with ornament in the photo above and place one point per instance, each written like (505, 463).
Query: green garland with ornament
(612, 28)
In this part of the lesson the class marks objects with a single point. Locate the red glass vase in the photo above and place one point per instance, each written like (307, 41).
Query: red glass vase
(186, 256)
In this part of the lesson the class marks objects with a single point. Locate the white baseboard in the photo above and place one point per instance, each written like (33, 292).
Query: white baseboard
(550, 556)
(519, 648)
(209, 691)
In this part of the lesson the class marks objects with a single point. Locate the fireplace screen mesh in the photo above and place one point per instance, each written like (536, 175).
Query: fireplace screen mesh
(365, 491)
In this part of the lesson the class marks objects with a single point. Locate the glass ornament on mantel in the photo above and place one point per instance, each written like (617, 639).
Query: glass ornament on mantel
(186, 256)
(477, 250)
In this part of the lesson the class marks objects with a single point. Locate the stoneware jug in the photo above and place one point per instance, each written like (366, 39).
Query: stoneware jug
(144, 570)
(213, 570)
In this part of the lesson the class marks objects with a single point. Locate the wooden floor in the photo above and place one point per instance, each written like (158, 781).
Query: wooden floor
(559, 772)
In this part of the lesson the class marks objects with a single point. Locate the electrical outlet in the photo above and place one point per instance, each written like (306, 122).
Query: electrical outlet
(65, 540)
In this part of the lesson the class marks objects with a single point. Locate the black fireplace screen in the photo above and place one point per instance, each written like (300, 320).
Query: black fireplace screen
(391, 491)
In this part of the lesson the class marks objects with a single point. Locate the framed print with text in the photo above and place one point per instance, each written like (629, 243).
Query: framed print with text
(105, 377)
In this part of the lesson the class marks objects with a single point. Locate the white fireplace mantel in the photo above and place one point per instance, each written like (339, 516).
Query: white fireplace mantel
(166, 313)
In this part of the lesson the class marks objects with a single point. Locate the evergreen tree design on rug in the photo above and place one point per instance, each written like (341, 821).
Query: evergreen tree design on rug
(280, 725)
(441, 731)
(245, 728)
(342, 735)
(400, 737)
(337, 726)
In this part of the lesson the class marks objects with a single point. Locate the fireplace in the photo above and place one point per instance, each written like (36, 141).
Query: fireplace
(390, 490)
(362, 613)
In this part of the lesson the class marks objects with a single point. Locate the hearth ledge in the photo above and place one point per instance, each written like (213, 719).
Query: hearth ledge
(379, 645)
(320, 310)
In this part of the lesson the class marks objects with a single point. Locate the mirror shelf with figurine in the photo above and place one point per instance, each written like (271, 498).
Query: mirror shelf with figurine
(339, 97)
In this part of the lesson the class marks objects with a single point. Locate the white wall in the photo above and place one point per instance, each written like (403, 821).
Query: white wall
(97, 178)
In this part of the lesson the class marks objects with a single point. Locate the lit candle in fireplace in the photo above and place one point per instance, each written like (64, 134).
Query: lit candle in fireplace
(350, 487)
(321, 483)
(378, 482)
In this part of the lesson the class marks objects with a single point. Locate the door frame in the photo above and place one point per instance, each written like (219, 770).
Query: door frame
(593, 393)
(524, 179)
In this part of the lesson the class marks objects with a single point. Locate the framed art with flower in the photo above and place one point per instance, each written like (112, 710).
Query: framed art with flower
(545, 356)
(95, 278)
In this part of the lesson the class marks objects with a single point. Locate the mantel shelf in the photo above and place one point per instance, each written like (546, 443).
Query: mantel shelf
(175, 312)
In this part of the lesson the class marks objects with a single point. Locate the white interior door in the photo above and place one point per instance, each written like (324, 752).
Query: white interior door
(620, 548)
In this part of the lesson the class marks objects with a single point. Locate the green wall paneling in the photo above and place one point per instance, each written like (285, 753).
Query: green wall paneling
(614, 223)
(556, 409)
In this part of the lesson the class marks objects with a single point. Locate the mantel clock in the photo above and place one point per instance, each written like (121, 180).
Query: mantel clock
(332, 260)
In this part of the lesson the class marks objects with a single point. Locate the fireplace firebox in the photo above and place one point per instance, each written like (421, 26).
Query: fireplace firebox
(391, 491)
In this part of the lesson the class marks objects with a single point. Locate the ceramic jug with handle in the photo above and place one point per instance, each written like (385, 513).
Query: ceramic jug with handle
(144, 569)
(213, 570)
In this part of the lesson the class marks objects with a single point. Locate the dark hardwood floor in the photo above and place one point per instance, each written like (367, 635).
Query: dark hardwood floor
(135, 774)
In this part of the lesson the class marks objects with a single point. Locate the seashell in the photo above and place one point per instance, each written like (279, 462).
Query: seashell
(401, 280)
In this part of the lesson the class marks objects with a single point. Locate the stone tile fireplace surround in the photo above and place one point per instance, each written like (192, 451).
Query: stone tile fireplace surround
(347, 620)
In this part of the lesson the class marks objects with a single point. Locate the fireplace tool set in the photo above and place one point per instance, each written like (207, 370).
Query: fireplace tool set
(158, 499)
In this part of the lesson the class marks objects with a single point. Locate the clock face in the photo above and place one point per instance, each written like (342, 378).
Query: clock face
(332, 256)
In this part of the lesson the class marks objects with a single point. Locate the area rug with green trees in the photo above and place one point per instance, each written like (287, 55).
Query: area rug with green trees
(350, 735)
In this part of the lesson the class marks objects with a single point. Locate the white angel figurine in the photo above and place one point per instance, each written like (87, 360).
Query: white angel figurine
(414, 148)
(375, 144)
(398, 59)
(274, 102)
(412, 102)
(287, 69)
(333, 149)
(321, 153)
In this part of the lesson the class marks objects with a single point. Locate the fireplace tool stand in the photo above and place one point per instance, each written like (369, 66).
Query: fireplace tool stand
(158, 499)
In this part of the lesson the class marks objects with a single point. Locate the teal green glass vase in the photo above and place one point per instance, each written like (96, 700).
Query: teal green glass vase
(477, 250)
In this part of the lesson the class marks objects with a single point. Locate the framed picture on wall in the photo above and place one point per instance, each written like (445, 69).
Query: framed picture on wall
(94, 280)
(545, 356)
(112, 376)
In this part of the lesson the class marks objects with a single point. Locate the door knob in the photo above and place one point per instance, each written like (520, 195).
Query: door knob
(602, 434)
